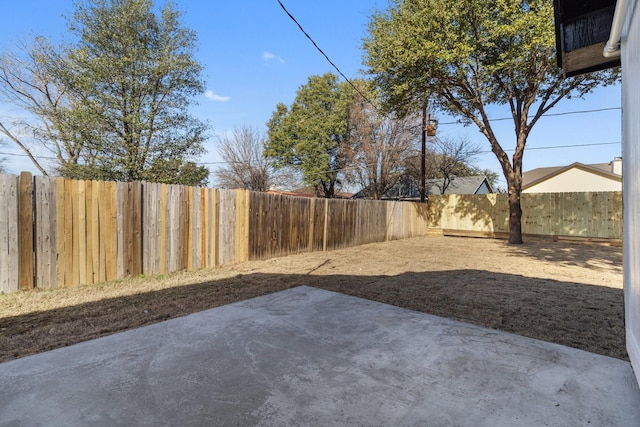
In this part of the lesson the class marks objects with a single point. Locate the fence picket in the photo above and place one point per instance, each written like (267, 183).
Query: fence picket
(9, 233)
(25, 231)
(45, 232)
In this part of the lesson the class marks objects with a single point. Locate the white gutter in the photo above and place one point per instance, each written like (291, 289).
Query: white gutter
(612, 48)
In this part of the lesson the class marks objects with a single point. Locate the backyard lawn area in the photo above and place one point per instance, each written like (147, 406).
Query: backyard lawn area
(567, 293)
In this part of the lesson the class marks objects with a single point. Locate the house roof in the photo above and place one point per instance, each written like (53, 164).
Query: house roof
(460, 185)
(536, 176)
(410, 190)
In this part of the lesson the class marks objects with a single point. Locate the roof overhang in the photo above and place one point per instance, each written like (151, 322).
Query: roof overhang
(582, 31)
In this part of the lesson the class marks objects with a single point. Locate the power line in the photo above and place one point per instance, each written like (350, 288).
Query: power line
(25, 155)
(559, 146)
(550, 147)
(324, 54)
(565, 113)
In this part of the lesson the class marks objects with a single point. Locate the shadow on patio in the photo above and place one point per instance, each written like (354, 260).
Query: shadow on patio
(581, 316)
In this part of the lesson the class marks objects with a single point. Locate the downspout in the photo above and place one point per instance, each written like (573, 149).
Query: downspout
(612, 48)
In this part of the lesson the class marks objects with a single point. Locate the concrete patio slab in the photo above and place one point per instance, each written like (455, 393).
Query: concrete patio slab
(309, 357)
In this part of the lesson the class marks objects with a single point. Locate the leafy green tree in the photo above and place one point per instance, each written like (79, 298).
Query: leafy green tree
(313, 134)
(465, 55)
(137, 74)
(178, 171)
(115, 105)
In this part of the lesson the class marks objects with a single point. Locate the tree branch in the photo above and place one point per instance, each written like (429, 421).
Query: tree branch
(6, 131)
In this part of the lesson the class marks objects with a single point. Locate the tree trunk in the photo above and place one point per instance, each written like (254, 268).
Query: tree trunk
(515, 215)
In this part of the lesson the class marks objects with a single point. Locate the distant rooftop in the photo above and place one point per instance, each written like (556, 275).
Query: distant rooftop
(613, 168)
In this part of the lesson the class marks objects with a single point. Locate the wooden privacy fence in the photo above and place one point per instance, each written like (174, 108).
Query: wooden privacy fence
(585, 215)
(58, 232)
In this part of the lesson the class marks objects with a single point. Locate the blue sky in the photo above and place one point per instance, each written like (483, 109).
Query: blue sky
(255, 56)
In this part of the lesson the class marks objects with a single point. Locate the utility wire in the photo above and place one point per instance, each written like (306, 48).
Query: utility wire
(25, 155)
(528, 148)
(445, 123)
(565, 113)
(324, 54)
(558, 146)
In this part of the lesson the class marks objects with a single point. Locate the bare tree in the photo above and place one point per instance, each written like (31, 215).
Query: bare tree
(27, 84)
(380, 145)
(446, 159)
(451, 158)
(247, 168)
(3, 160)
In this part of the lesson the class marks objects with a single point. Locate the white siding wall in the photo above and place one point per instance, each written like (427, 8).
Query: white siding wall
(631, 179)
(575, 180)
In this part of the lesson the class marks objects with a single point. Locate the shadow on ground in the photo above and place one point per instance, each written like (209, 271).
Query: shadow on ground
(579, 254)
(586, 317)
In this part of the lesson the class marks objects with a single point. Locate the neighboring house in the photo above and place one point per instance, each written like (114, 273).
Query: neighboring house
(576, 177)
(410, 190)
(587, 31)
(478, 184)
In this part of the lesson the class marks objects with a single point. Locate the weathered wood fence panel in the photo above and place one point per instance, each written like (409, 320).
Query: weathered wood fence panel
(45, 220)
(340, 223)
(211, 227)
(174, 227)
(152, 222)
(406, 219)
(9, 250)
(371, 222)
(57, 232)
(278, 225)
(130, 228)
(25, 231)
(242, 225)
(227, 226)
(319, 217)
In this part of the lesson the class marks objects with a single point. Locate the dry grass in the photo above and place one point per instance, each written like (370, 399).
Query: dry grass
(565, 293)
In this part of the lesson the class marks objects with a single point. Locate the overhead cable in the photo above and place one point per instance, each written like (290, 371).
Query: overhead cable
(564, 113)
(324, 54)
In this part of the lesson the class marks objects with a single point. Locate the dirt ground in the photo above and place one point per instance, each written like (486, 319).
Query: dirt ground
(561, 292)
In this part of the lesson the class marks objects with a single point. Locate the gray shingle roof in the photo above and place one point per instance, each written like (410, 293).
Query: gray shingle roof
(459, 185)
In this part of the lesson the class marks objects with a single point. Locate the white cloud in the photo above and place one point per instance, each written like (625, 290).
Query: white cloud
(215, 97)
(268, 56)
